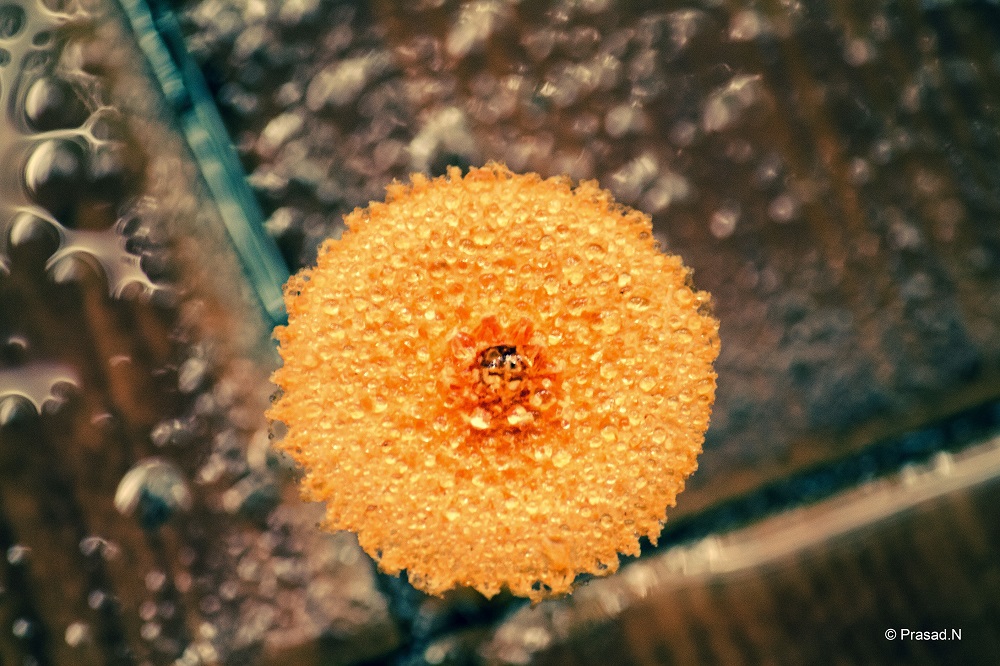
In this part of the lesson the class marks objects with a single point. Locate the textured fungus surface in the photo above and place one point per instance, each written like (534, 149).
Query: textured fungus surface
(496, 381)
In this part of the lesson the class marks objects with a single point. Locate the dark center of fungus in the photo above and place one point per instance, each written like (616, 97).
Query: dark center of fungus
(502, 369)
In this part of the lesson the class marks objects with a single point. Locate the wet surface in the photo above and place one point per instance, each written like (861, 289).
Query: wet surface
(138, 494)
(829, 171)
(810, 163)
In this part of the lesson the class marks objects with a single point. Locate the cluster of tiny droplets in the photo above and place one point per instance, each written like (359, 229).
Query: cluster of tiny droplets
(87, 216)
(323, 121)
(427, 487)
(79, 170)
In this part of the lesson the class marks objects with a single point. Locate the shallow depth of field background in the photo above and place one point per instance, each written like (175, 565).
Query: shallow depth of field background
(830, 169)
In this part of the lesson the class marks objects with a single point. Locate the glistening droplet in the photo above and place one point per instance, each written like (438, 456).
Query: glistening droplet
(54, 175)
(52, 104)
(11, 20)
(153, 491)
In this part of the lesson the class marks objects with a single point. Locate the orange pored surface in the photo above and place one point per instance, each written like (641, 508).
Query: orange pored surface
(496, 381)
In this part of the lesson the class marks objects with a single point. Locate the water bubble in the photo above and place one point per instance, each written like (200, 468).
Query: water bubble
(539, 43)
(444, 139)
(13, 351)
(683, 133)
(254, 496)
(477, 20)
(860, 171)
(15, 409)
(53, 104)
(340, 84)
(147, 610)
(28, 228)
(153, 490)
(858, 51)
(11, 20)
(17, 554)
(277, 132)
(723, 222)
(96, 599)
(783, 208)
(623, 119)
(77, 634)
(76, 267)
(726, 104)
(54, 176)
(297, 12)
(747, 25)
(173, 432)
(22, 628)
(629, 182)
(668, 188)
(150, 630)
(155, 580)
(191, 375)
(92, 545)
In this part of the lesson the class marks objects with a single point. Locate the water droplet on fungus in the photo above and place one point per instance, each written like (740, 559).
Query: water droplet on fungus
(443, 413)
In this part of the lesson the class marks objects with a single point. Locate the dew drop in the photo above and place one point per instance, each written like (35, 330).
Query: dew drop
(15, 409)
(723, 222)
(54, 176)
(22, 628)
(153, 491)
(191, 375)
(594, 251)
(11, 20)
(150, 630)
(155, 580)
(783, 209)
(96, 599)
(28, 228)
(17, 554)
(73, 268)
(551, 285)
(638, 304)
(609, 323)
(77, 634)
(175, 432)
(561, 459)
(52, 104)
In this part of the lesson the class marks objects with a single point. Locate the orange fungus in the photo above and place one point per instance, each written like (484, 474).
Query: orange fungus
(496, 381)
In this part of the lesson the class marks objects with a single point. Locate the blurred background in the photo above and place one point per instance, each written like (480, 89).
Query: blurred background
(830, 169)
